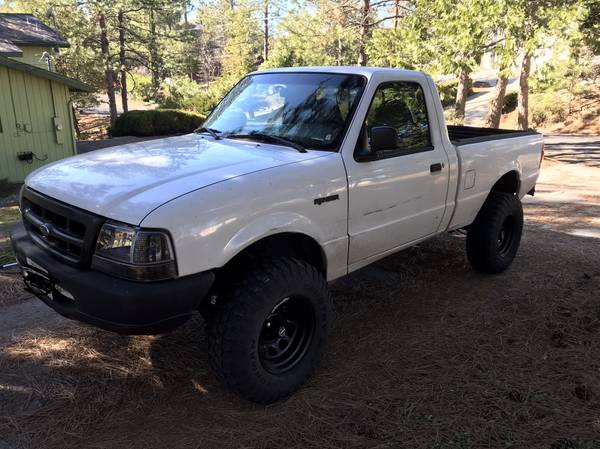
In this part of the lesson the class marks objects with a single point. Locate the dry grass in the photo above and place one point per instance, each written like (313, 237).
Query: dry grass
(583, 117)
(9, 214)
(93, 126)
(11, 289)
(425, 354)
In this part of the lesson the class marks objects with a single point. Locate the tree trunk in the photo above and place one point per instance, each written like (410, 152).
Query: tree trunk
(76, 122)
(363, 34)
(396, 14)
(155, 82)
(462, 91)
(122, 61)
(523, 105)
(110, 75)
(266, 30)
(495, 112)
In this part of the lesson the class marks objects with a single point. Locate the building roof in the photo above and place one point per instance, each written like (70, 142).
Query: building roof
(74, 85)
(7, 48)
(25, 29)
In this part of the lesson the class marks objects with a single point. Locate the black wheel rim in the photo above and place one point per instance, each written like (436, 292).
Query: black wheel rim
(505, 236)
(286, 334)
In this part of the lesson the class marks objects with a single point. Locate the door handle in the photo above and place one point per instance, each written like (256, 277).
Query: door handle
(436, 167)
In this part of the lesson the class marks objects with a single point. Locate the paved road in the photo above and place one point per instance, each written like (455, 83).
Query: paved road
(477, 105)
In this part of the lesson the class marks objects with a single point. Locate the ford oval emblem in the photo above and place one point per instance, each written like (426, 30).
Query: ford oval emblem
(45, 229)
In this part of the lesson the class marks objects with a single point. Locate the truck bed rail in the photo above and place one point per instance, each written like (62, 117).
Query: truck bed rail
(462, 135)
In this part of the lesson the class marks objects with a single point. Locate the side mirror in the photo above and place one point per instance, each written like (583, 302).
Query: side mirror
(383, 138)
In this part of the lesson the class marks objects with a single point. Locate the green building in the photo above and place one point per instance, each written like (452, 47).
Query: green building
(36, 118)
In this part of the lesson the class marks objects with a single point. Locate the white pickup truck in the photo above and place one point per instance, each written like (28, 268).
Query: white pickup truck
(299, 176)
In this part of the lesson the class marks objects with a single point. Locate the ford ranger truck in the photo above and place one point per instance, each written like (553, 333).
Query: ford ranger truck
(299, 176)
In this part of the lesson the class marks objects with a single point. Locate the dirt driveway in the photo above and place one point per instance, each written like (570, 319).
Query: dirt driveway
(426, 353)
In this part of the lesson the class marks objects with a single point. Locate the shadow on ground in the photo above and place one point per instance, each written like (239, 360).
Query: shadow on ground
(585, 151)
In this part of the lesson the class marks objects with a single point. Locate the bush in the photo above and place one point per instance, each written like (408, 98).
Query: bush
(447, 90)
(547, 108)
(451, 119)
(205, 100)
(171, 93)
(174, 92)
(511, 100)
(202, 103)
(139, 86)
(157, 122)
(538, 116)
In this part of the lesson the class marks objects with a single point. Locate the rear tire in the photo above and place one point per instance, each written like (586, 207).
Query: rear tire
(267, 334)
(494, 237)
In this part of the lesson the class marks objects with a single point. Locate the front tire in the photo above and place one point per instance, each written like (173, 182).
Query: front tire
(494, 237)
(268, 333)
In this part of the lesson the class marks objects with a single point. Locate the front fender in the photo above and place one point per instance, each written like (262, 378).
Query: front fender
(211, 225)
(265, 226)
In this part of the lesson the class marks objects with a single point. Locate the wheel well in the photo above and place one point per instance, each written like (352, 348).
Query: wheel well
(288, 244)
(508, 183)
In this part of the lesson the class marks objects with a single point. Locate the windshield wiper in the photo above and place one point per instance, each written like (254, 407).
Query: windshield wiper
(268, 137)
(212, 132)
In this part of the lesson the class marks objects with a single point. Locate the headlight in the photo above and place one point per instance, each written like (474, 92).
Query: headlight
(133, 253)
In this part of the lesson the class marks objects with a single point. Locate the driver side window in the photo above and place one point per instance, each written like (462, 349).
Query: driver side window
(400, 105)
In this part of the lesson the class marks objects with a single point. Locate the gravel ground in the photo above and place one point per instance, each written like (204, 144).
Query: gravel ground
(425, 353)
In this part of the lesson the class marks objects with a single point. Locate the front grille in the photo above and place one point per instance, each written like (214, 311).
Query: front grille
(67, 232)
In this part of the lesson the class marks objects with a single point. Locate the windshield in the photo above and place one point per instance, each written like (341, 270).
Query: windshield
(310, 109)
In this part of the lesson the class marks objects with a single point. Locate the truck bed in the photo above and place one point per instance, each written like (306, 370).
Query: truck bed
(486, 155)
(463, 135)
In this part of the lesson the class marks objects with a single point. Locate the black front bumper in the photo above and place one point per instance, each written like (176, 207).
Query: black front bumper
(104, 301)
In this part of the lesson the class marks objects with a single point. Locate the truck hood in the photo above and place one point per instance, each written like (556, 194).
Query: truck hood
(128, 182)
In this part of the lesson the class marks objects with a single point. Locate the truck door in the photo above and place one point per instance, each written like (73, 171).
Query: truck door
(401, 196)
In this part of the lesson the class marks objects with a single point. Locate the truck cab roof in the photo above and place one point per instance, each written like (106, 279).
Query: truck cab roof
(353, 70)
